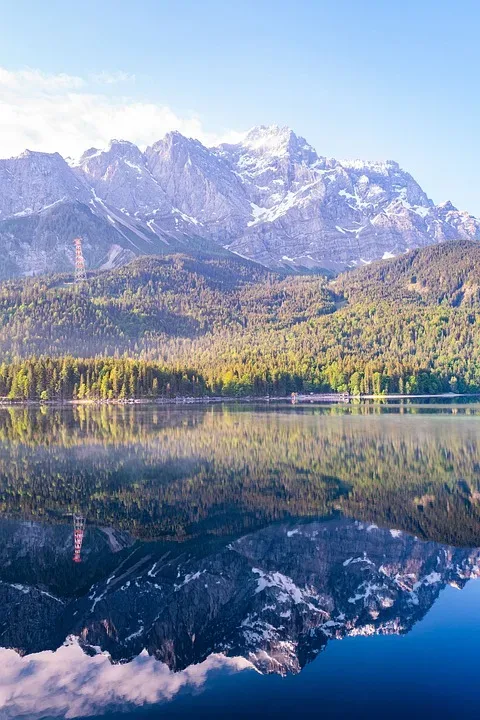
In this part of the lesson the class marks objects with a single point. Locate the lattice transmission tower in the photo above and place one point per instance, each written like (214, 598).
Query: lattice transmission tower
(80, 271)
(78, 532)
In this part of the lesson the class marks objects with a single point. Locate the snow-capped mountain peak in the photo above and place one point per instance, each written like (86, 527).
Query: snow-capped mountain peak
(379, 166)
(269, 197)
(274, 140)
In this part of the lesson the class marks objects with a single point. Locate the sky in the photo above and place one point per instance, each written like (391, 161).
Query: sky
(372, 80)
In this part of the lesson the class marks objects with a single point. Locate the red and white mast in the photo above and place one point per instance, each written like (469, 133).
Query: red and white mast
(80, 271)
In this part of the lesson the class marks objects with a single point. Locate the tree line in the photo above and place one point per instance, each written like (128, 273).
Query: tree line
(69, 378)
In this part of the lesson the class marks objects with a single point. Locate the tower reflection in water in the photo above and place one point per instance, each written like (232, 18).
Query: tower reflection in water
(79, 522)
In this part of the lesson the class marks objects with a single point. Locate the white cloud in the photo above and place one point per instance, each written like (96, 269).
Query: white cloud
(24, 81)
(112, 78)
(68, 684)
(61, 113)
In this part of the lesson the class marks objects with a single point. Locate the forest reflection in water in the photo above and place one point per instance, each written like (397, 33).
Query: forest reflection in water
(226, 539)
(183, 472)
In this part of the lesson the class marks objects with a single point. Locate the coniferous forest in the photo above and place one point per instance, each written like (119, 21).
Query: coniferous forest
(179, 325)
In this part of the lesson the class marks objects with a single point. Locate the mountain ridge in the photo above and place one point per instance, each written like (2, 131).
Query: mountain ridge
(270, 198)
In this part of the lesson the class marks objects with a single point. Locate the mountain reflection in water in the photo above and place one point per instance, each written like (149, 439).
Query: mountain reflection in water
(219, 540)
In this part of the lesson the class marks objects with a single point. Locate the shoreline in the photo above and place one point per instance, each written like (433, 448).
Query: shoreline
(294, 399)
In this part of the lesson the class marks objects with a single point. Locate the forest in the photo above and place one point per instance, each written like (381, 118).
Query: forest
(166, 326)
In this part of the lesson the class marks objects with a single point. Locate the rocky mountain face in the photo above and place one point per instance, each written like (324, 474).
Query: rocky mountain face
(270, 198)
(275, 597)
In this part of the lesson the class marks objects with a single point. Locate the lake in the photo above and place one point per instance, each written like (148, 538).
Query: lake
(240, 561)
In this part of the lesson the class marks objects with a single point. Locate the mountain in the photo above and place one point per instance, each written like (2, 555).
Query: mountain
(34, 181)
(269, 198)
(120, 177)
(318, 211)
(45, 204)
(201, 186)
(276, 596)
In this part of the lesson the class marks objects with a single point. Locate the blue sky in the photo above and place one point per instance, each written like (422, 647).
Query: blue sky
(372, 79)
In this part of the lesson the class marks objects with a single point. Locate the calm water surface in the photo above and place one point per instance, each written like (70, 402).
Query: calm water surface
(222, 553)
